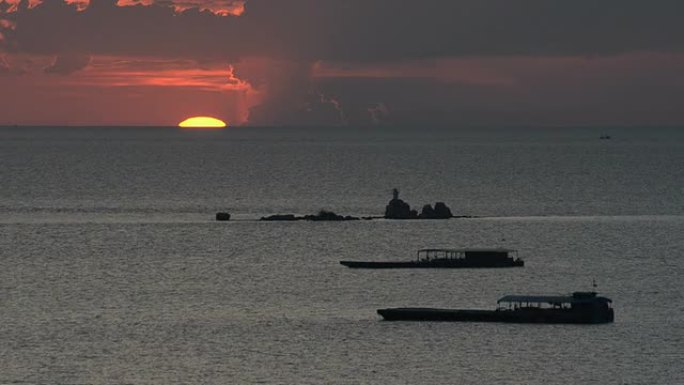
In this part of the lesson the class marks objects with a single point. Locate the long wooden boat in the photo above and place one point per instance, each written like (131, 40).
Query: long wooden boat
(577, 308)
(447, 258)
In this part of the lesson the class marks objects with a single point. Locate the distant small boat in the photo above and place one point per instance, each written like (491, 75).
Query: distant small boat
(447, 258)
(578, 308)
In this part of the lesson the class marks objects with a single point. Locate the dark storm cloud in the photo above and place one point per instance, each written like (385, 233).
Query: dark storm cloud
(622, 91)
(358, 30)
(104, 28)
(395, 29)
(292, 97)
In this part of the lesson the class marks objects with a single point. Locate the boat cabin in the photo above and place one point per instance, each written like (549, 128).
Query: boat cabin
(492, 255)
(578, 301)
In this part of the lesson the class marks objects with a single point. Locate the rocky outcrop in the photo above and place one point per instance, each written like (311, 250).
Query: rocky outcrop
(398, 209)
(442, 211)
(280, 217)
(322, 215)
(222, 216)
(395, 209)
(427, 212)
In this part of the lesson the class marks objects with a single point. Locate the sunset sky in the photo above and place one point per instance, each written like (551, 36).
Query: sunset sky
(342, 62)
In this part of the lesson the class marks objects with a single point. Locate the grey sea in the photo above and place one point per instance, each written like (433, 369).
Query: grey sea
(114, 271)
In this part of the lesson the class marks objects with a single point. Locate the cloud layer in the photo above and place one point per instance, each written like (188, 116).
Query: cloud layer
(368, 61)
(351, 29)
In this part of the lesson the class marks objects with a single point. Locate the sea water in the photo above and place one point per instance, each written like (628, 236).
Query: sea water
(114, 271)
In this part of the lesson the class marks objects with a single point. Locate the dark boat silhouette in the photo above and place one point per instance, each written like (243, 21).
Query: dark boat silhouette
(577, 308)
(447, 258)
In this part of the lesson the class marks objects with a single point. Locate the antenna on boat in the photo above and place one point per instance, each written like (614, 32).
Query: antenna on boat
(593, 283)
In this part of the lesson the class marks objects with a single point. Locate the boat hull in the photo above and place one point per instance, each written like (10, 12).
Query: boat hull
(509, 316)
(438, 264)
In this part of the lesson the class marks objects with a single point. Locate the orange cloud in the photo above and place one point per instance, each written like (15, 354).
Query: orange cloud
(134, 72)
(217, 7)
(13, 5)
(128, 3)
(119, 89)
(150, 73)
(81, 5)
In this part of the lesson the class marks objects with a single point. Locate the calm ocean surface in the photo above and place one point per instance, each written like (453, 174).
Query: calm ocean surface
(113, 271)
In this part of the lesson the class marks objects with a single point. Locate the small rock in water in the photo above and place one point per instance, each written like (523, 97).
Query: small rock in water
(280, 217)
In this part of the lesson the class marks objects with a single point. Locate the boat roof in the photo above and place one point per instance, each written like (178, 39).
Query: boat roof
(476, 250)
(551, 299)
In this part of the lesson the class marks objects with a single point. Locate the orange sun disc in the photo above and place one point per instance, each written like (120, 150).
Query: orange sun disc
(202, 122)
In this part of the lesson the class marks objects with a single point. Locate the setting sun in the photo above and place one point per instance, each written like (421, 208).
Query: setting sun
(202, 122)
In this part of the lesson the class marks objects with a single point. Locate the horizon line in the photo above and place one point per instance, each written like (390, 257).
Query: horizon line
(365, 126)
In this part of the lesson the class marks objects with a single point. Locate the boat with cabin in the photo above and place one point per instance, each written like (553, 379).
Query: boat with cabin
(580, 307)
(448, 258)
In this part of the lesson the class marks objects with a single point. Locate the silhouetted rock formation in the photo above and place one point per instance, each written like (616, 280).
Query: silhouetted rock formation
(398, 209)
(442, 211)
(222, 216)
(427, 212)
